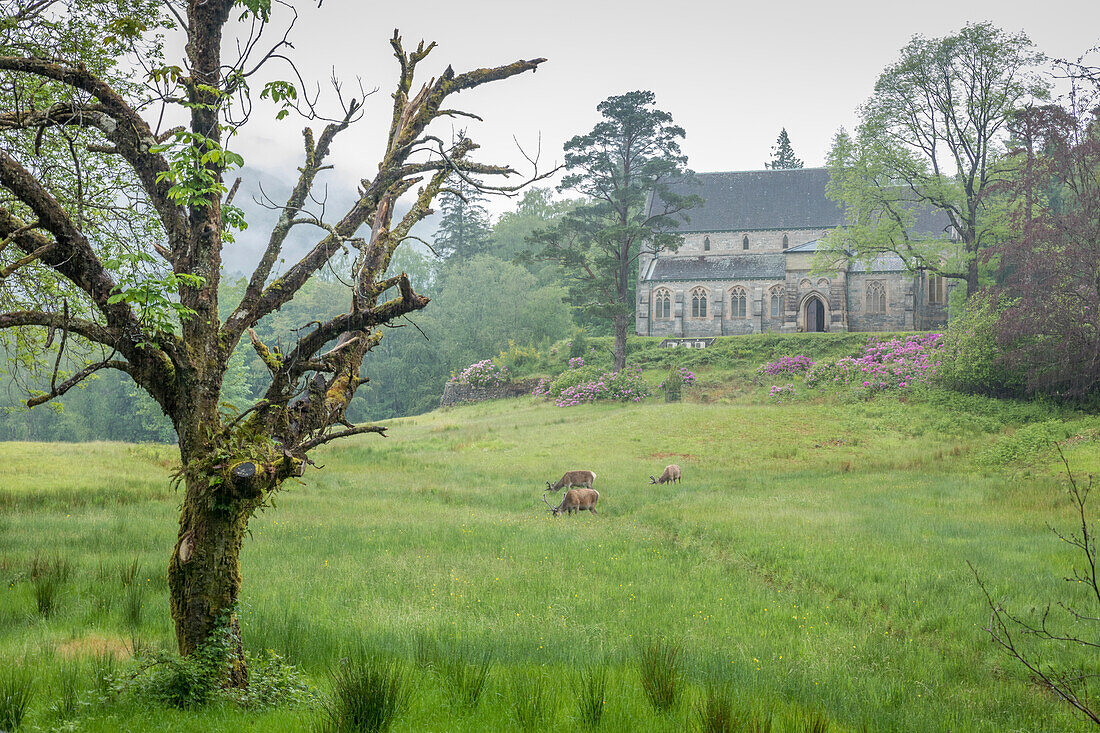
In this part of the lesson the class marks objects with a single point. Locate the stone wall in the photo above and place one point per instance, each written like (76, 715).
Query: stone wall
(454, 393)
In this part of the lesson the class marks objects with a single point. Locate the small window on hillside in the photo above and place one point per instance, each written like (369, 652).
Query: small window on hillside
(786, 241)
(706, 244)
(699, 303)
(738, 303)
(745, 242)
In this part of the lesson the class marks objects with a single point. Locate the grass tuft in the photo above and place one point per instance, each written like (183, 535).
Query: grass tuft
(16, 689)
(658, 662)
(714, 711)
(531, 696)
(592, 695)
(368, 694)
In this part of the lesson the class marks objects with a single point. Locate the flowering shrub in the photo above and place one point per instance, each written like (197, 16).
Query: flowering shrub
(687, 377)
(781, 392)
(541, 388)
(899, 363)
(627, 385)
(483, 374)
(676, 379)
(576, 362)
(786, 365)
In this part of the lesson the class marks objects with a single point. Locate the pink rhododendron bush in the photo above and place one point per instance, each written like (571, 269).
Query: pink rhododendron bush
(483, 374)
(580, 384)
(897, 364)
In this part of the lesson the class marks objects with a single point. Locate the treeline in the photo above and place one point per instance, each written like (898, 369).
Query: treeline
(482, 301)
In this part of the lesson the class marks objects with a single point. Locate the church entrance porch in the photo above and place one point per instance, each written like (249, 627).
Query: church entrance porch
(814, 315)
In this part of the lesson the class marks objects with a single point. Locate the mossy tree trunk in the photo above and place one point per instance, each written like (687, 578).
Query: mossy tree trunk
(230, 465)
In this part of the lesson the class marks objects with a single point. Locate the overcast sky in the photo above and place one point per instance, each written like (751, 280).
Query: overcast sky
(731, 74)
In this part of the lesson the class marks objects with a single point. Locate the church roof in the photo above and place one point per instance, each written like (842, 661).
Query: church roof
(738, 201)
(754, 200)
(770, 266)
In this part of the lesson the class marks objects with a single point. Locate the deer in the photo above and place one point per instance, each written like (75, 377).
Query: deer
(575, 500)
(586, 479)
(672, 473)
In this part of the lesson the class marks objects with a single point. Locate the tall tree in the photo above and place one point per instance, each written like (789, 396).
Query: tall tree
(931, 139)
(464, 225)
(624, 167)
(79, 269)
(783, 154)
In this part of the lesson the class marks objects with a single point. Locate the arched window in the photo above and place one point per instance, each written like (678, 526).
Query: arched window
(745, 242)
(785, 241)
(738, 303)
(706, 244)
(662, 305)
(776, 299)
(699, 303)
(876, 297)
(935, 289)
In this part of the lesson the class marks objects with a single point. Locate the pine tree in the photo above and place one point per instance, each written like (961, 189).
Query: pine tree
(464, 228)
(783, 154)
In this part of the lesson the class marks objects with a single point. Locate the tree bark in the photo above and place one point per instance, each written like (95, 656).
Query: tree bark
(618, 352)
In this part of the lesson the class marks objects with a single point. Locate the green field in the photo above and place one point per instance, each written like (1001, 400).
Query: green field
(813, 563)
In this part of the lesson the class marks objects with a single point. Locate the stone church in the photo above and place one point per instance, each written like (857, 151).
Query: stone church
(746, 266)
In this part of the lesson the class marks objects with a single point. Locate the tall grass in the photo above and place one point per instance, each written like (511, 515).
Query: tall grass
(368, 694)
(531, 700)
(658, 663)
(714, 712)
(591, 687)
(16, 691)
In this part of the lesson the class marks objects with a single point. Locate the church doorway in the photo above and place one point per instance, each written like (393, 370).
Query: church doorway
(815, 315)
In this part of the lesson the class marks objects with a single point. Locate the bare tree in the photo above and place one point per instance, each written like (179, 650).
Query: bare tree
(1072, 624)
(140, 295)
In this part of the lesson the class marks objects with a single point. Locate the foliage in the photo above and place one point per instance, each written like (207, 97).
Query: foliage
(464, 228)
(187, 682)
(895, 364)
(929, 151)
(623, 168)
(483, 374)
(714, 711)
(786, 365)
(781, 393)
(578, 346)
(783, 154)
(627, 385)
(970, 356)
(531, 701)
(1048, 331)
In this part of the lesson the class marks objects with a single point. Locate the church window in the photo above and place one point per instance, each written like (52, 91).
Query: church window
(699, 303)
(935, 290)
(662, 305)
(876, 297)
(786, 241)
(745, 242)
(776, 299)
(706, 244)
(738, 303)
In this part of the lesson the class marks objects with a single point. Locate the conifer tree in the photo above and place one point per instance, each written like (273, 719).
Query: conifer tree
(783, 154)
(464, 228)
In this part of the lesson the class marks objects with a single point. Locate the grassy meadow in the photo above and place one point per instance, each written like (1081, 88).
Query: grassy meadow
(811, 569)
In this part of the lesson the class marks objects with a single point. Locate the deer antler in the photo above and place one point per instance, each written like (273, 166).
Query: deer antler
(546, 502)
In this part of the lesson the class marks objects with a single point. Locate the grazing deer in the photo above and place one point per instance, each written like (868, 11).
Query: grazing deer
(672, 473)
(586, 479)
(575, 500)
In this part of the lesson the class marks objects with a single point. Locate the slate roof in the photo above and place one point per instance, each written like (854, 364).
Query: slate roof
(738, 201)
(770, 266)
(754, 200)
